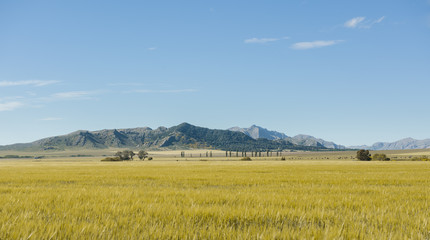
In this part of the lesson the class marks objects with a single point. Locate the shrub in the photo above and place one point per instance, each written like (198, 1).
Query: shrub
(111, 159)
(380, 157)
(150, 158)
(246, 159)
(282, 158)
(422, 158)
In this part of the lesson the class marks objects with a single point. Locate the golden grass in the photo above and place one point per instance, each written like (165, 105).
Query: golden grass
(216, 200)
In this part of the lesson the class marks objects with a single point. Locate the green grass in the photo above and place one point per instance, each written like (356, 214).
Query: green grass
(200, 200)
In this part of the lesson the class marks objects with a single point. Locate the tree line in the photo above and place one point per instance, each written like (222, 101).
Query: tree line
(364, 155)
(128, 155)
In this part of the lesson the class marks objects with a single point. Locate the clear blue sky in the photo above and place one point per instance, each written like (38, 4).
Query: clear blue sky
(352, 72)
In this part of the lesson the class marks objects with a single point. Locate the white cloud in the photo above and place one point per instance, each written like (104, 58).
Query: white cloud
(314, 44)
(51, 119)
(353, 23)
(9, 106)
(152, 48)
(361, 22)
(10, 98)
(261, 40)
(37, 83)
(133, 84)
(165, 91)
(379, 19)
(71, 95)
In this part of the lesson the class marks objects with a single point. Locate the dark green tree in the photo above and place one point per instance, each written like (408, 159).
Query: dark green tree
(125, 155)
(118, 155)
(142, 155)
(363, 155)
(131, 154)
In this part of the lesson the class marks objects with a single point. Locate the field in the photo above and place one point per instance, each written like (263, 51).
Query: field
(79, 155)
(296, 199)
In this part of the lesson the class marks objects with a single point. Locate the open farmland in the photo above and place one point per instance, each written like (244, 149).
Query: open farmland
(221, 199)
(85, 155)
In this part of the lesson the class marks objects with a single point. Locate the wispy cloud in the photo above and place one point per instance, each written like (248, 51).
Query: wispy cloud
(71, 95)
(51, 119)
(314, 44)
(9, 106)
(361, 22)
(126, 84)
(353, 23)
(11, 98)
(165, 91)
(379, 19)
(152, 48)
(261, 40)
(37, 83)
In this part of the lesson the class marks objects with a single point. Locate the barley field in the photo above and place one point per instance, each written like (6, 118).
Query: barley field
(215, 200)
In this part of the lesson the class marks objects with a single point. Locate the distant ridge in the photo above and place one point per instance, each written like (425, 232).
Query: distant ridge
(303, 140)
(406, 143)
(183, 136)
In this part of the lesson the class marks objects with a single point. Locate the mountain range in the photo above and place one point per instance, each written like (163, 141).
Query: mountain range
(406, 143)
(187, 136)
(182, 136)
(257, 132)
(306, 140)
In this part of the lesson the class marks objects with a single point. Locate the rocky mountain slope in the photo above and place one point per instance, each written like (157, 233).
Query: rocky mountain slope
(259, 132)
(303, 140)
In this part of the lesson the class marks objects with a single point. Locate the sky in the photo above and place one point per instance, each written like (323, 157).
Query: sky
(352, 72)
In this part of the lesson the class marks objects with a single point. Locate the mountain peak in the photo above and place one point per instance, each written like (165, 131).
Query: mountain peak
(256, 132)
(305, 140)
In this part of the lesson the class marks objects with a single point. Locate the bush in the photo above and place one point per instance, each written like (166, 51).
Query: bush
(380, 157)
(422, 158)
(150, 158)
(282, 158)
(246, 159)
(111, 159)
